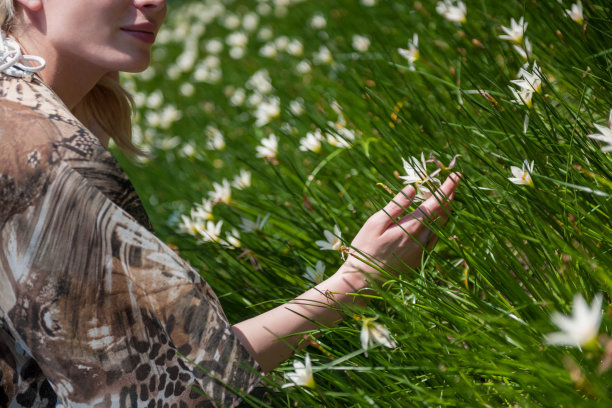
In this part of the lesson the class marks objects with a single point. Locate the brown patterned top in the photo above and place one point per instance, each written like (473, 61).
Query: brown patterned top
(94, 309)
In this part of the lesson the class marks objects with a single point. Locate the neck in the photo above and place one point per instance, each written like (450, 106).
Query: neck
(71, 82)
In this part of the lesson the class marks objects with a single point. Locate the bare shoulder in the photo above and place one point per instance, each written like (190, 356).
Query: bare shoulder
(26, 156)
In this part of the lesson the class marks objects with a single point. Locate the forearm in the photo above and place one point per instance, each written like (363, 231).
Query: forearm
(269, 337)
(391, 238)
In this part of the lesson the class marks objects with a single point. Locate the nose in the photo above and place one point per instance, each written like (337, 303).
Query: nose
(154, 9)
(150, 4)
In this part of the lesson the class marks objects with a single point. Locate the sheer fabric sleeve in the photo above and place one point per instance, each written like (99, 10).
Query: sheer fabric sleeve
(111, 315)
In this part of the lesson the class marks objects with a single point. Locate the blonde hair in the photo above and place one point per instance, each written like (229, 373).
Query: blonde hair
(106, 110)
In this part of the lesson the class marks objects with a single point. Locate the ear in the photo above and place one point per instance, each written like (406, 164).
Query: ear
(32, 5)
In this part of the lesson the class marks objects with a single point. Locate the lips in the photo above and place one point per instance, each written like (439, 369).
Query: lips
(142, 32)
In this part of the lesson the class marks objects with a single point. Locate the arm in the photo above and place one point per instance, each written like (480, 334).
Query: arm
(268, 337)
(89, 296)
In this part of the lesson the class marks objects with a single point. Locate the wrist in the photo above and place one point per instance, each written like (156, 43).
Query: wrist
(353, 276)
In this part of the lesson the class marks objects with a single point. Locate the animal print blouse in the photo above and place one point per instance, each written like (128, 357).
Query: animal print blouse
(94, 309)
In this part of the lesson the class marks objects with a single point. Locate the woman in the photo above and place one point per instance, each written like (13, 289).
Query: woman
(94, 310)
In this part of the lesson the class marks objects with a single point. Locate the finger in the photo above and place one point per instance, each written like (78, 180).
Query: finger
(429, 239)
(400, 202)
(426, 236)
(435, 208)
(439, 202)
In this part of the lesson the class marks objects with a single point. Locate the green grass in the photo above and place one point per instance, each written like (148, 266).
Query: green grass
(470, 323)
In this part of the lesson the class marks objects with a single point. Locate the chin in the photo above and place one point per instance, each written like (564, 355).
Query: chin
(135, 68)
(133, 63)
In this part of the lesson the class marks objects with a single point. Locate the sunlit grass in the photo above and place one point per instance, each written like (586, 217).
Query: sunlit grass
(470, 323)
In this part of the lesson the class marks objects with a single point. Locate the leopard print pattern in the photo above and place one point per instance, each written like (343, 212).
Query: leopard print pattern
(94, 309)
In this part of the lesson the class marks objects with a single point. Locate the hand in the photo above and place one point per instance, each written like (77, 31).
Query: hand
(272, 336)
(392, 242)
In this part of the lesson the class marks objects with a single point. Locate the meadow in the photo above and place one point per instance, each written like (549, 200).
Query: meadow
(267, 123)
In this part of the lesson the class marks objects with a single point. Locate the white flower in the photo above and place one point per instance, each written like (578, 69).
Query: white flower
(336, 141)
(281, 42)
(263, 9)
(295, 48)
(522, 175)
(254, 99)
(267, 110)
(231, 21)
(525, 51)
(268, 50)
(238, 97)
(265, 34)
(169, 143)
(412, 52)
(341, 136)
(211, 231)
(373, 333)
(242, 180)
(148, 73)
(312, 141)
(530, 80)
(604, 135)
(155, 100)
(222, 193)
(260, 81)
(206, 74)
(581, 327)
(296, 106)
(416, 172)
(452, 12)
(211, 61)
(187, 89)
(140, 99)
(174, 72)
(190, 225)
(281, 10)
(247, 225)
(516, 31)
(203, 212)
(575, 13)
(168, 116)
(186, 60)
(188, 150)
(333, 243)
(361, 43)
(303, 67)
(237, 39)
(268, 148)
(302, 374)
(522, 95)
(208, 70)
(250, 22)
(214, 46)
(424, 191)
(237, 52)
(232, 239)
(318, 22)
(316, 274)
(323, 56)
(215, 139)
